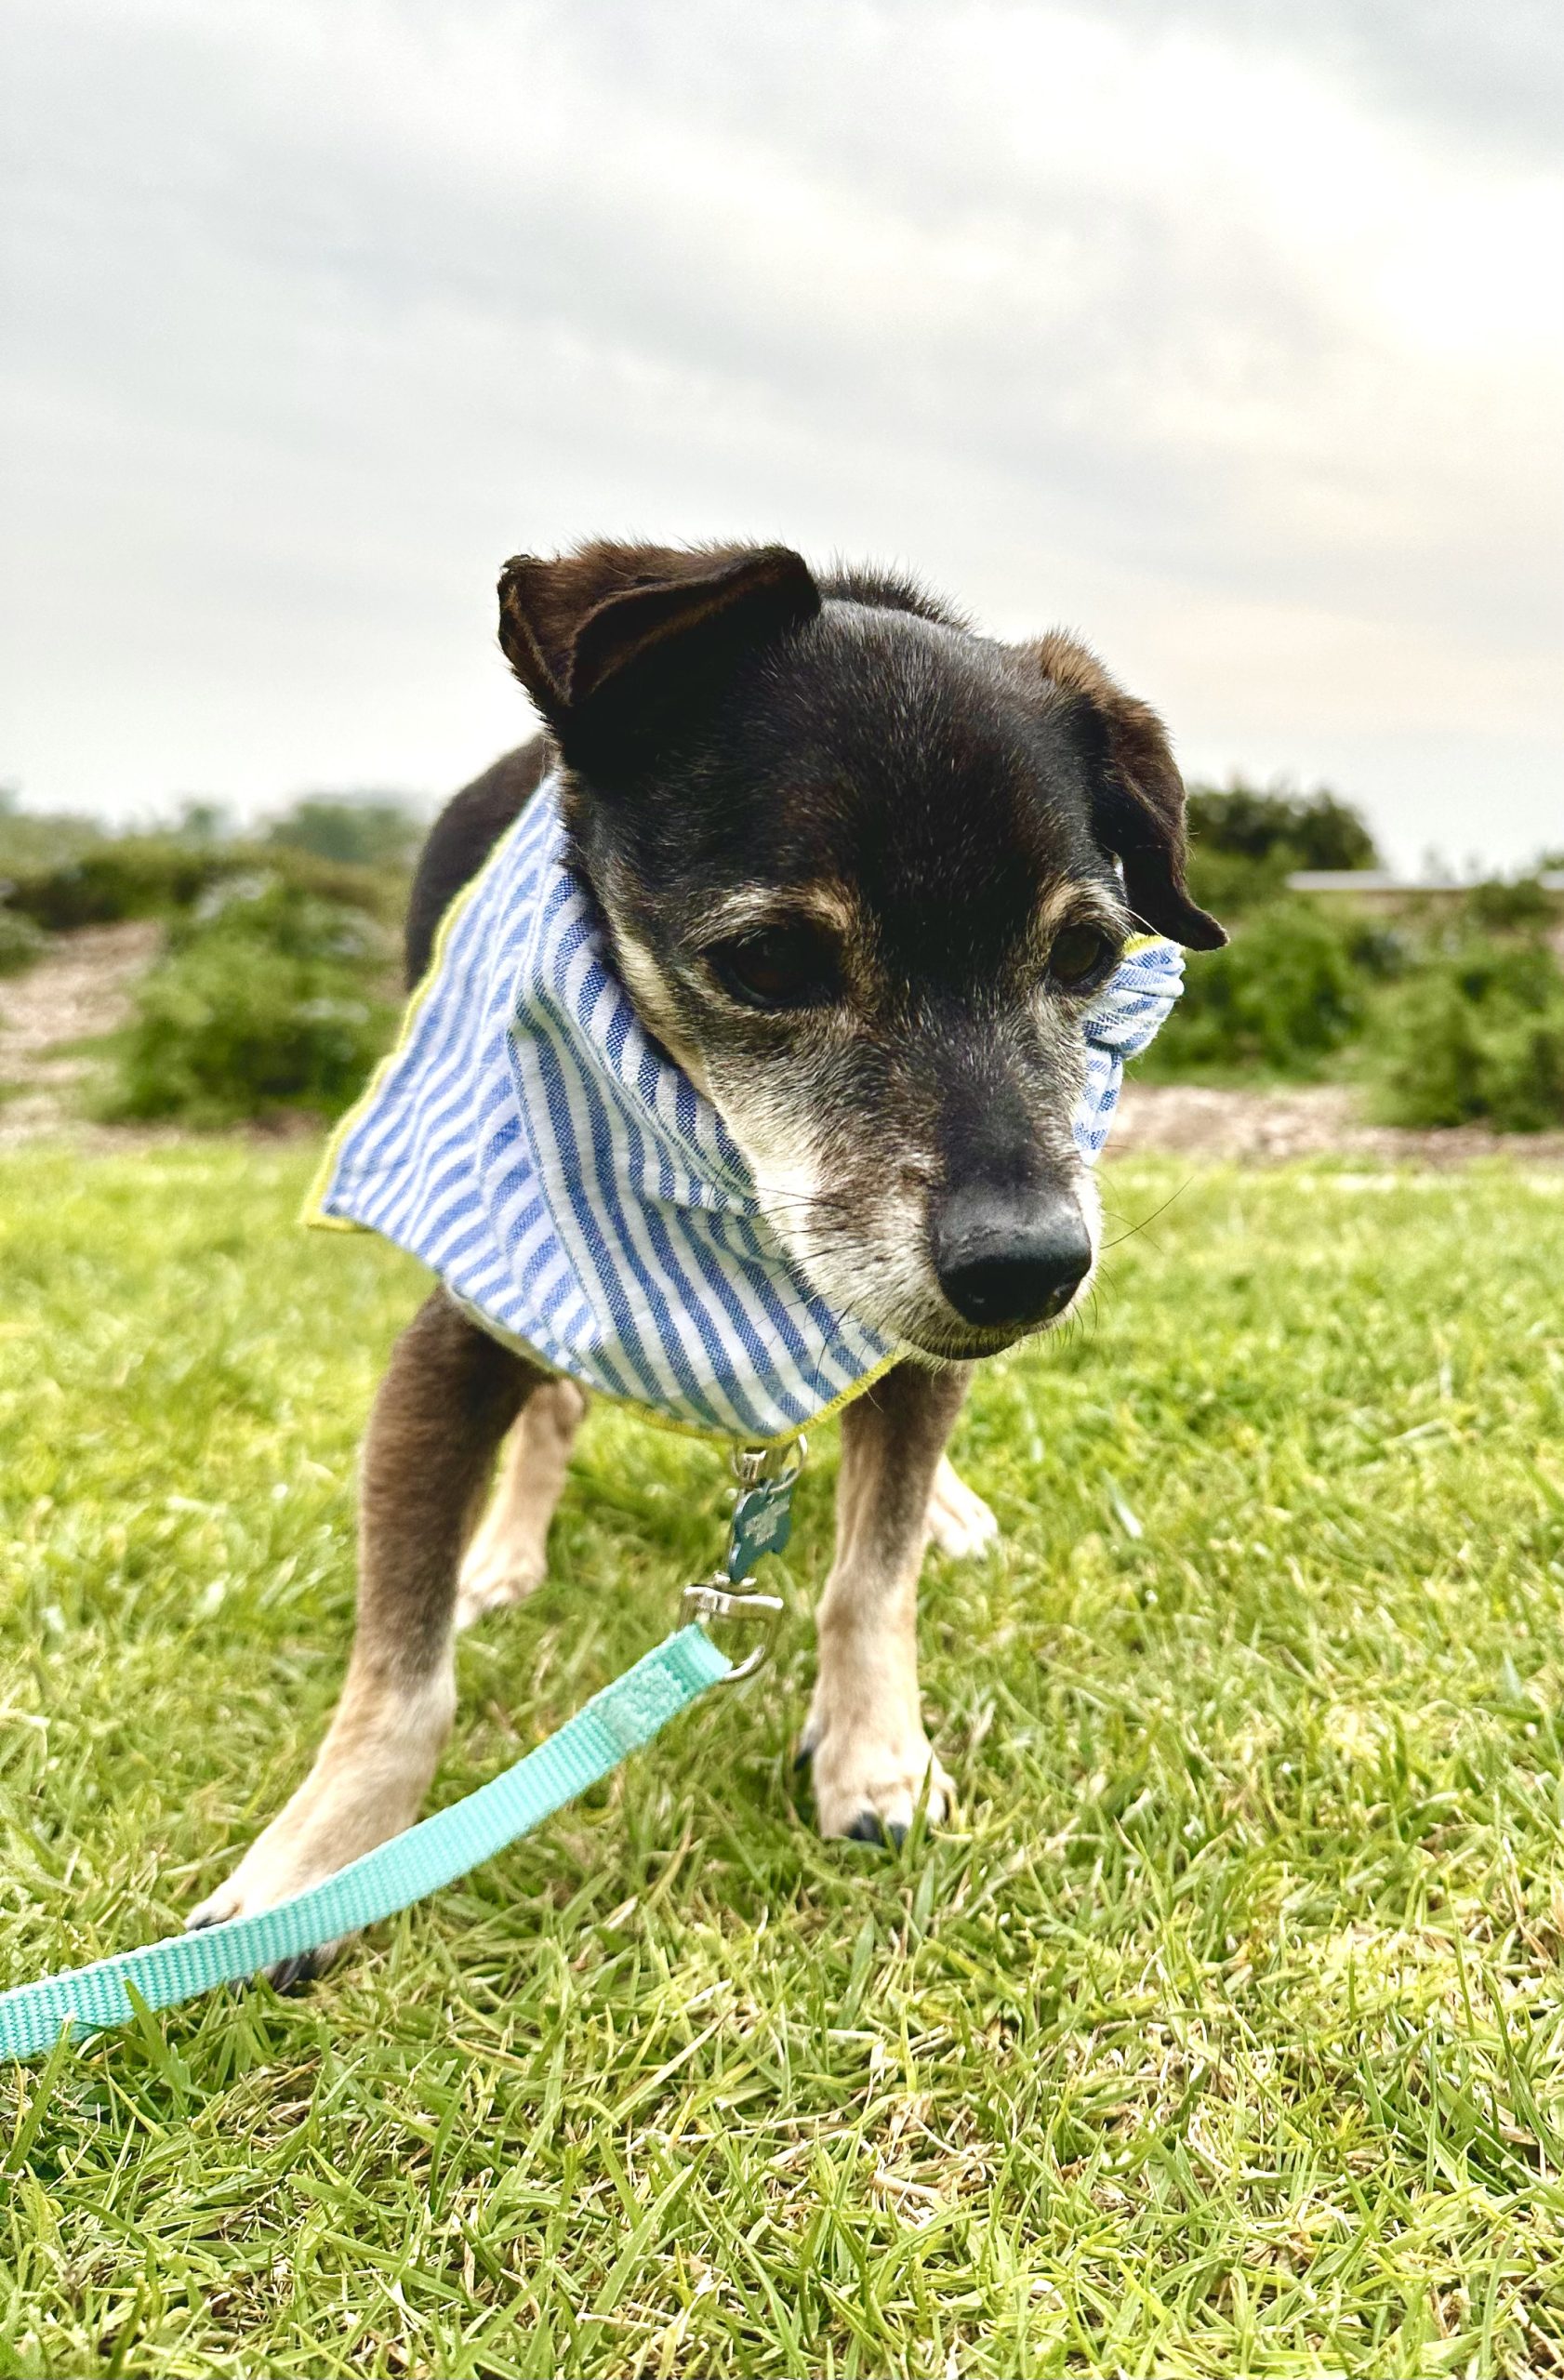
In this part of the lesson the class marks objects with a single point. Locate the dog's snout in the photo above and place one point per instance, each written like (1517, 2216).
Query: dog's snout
(1007, 1256)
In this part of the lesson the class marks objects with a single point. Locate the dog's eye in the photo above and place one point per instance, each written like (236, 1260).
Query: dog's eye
(779, 967)
(1079, 952)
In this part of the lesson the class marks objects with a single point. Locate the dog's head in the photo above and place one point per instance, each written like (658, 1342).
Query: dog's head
(862, 871)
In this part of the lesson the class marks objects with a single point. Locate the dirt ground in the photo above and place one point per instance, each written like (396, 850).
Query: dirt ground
(1315, 1119)
(82, 988)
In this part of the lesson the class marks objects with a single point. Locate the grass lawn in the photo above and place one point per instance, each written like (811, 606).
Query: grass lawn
(1222, 2032)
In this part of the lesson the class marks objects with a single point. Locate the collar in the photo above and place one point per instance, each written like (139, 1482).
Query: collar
(572, 1188)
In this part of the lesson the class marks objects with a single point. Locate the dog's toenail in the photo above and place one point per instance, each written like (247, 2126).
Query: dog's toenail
(803, 1757)
(290, 1976)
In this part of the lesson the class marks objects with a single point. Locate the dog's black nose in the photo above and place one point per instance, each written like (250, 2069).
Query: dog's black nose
(1009, 1256)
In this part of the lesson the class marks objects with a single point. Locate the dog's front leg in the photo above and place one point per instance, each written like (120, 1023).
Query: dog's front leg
(508, 1551)
(865, 1734)
(447, 1399)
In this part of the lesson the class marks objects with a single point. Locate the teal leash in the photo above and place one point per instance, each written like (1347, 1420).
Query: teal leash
(429, 1855)
(439, 1849)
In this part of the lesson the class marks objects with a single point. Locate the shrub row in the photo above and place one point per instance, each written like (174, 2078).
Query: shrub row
(1475, 1035)
(161, 876)
(1459, 1026)
(268, 997)
(1282, 995)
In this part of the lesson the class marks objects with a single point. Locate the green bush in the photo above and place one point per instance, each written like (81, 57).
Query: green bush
(268, 998)
(33, 840)
(20, 941)
(1476, 1034)
(160, 876)
(1383, 952)
(1244, 843)
(1309, 830)
(367, 829)
(1280, 998)
(127, 876)
(1232, 887)
(1521, 904)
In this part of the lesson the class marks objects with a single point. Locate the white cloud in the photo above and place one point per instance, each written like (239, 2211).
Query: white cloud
(1237, 346)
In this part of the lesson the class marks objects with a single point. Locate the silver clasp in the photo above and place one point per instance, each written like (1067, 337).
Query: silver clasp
(713, 1599)
(751, 1464)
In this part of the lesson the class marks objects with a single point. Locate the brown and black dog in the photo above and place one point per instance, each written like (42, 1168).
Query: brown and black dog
(861, 868)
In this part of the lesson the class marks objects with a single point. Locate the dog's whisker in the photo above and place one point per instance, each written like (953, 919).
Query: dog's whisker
(1146, 1221)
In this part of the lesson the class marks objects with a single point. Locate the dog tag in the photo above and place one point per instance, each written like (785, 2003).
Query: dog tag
(763, 1522)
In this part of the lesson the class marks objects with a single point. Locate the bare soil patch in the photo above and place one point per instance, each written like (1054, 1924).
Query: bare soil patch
(1315, 1120)
(80, 988)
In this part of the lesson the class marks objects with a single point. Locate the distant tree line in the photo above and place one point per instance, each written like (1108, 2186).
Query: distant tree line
(1299, 830)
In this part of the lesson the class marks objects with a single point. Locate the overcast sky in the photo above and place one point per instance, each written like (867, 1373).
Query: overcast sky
(1230, 335)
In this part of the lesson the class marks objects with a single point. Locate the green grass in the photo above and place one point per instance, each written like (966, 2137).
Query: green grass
(1222, 2032)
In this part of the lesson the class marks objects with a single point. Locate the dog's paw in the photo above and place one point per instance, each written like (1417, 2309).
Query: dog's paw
(866, 1791)
(369, 1778)
(494, 1574)
(959, 1522)
(289, 1976)
(266, 1875)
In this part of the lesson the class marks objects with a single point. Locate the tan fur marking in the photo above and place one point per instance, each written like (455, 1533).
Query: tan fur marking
(959, 1522)
(871, 1757)
(509, 1554)
(368, 1781)
(826, 902)
(648, 989)
(1073, 903)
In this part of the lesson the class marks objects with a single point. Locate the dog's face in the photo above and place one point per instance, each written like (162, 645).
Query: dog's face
(862, 871)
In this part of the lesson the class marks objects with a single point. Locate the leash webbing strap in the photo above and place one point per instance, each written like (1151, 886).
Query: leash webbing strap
(429, 1855)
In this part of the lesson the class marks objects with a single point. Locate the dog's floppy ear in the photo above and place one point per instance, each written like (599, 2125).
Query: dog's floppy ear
(1137, 792)
(614, 644)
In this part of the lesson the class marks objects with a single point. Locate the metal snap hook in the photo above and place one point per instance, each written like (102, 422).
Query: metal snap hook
(782, 1462)
(713, 1599)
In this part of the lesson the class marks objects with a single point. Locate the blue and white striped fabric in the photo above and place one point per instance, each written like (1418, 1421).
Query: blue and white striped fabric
(577, 1194)
(1124, 1019)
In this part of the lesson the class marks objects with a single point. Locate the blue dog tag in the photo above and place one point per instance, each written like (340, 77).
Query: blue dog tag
(763, 1522)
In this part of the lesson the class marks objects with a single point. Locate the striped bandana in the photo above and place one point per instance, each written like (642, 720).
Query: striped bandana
(577, 1194)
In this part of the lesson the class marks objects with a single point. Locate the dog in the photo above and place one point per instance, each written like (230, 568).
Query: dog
(860, 870)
